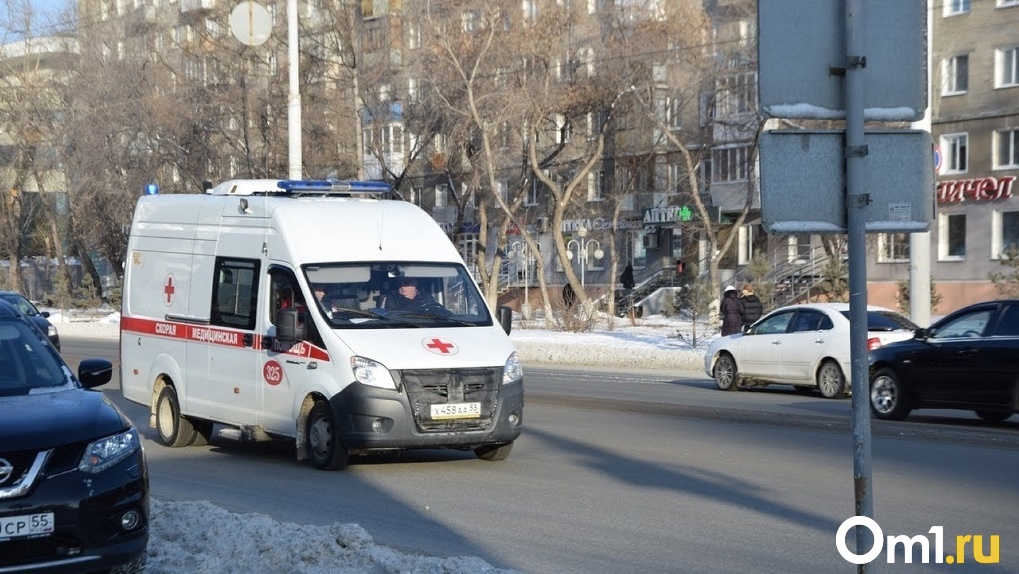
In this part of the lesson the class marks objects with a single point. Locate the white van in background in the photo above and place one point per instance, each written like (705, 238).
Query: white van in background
(270, 306)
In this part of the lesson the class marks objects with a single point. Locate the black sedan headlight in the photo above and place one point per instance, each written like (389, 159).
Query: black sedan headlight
(106, 452)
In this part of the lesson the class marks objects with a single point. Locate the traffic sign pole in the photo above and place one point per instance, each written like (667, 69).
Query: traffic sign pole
(857, 199)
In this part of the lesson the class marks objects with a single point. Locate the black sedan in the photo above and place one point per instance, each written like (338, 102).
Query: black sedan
(968, 360)
(40, 319)
(74, 494)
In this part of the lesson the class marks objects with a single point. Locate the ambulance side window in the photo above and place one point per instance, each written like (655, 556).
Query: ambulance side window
(234, 290)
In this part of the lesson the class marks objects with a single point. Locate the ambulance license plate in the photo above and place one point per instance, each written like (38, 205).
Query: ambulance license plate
(456, 411)
(26, 525)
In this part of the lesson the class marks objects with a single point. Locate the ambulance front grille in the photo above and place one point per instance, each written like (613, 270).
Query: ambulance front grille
(427, 387)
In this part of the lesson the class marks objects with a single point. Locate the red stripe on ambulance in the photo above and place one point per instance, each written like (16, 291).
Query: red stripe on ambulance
(216, 336)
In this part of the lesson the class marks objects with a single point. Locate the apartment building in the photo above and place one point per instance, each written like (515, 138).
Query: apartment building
(975, 124)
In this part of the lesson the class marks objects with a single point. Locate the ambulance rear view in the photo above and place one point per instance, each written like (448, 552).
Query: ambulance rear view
(320, 311)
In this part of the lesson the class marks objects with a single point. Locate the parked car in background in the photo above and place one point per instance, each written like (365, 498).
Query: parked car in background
(805, 345)
(74, 491)
(40, 319)
(968, 360)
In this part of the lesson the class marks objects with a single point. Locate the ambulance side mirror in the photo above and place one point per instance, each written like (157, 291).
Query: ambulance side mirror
(505, 318)
(289, 326)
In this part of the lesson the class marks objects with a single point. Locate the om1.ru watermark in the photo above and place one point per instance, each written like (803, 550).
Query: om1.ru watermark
(971, 544)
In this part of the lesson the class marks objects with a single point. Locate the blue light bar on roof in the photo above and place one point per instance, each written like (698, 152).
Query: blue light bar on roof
(330, 185)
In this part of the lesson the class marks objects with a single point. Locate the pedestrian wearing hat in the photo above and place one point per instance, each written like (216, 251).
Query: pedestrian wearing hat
(731, 309)
(753, 308)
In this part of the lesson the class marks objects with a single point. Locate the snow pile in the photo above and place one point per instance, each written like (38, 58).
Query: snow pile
(197, 536)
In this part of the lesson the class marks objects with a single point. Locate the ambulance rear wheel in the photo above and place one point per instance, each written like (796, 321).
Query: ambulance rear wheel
(174, 430)
(203, 432)
(325, 448)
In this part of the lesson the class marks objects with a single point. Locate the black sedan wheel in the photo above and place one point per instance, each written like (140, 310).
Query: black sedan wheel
(173, 429)
(325, 449)
(888, 399)
(830, 380)
(725, 372)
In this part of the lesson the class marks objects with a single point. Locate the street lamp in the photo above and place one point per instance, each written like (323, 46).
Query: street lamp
(583, 246)
(522, 256)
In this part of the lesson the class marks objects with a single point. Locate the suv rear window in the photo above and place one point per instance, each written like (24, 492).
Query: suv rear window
(885, 321)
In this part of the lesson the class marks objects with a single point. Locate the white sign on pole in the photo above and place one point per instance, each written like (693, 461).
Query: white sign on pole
(251, 23)
(802, 59)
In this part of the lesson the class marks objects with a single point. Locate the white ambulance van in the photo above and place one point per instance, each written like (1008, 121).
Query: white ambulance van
(317, 310)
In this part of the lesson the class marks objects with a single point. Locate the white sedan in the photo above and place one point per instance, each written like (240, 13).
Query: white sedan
(806, 346)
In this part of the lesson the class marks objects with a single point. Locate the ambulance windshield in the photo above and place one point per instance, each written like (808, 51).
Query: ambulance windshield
(394, 294)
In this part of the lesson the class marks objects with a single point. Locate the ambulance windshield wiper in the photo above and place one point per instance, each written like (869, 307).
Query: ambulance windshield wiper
(362, 312)
(443, 316)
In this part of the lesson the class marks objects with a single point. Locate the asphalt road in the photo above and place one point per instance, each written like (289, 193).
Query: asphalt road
(633, 472)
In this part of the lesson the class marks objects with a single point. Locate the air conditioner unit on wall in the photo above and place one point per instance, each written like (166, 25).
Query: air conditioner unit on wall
(651, 240)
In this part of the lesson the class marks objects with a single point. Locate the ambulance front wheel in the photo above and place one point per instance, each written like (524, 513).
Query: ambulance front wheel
(174, 430)
(325, 448)
(494, 451)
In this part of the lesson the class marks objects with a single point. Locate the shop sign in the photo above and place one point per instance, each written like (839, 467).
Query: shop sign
(671, 214)
(599, 224)
(977, 189)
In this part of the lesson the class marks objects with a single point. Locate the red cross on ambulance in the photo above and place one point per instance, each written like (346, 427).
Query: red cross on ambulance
(440, 346)
(169, 289)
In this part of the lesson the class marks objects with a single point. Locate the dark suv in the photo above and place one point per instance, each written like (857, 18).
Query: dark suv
(74, 494)
(40, 319)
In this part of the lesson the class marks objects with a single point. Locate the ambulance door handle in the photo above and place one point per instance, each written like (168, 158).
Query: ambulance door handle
(249, 339)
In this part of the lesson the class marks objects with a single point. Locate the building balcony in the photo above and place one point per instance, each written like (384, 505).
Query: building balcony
(192, 6)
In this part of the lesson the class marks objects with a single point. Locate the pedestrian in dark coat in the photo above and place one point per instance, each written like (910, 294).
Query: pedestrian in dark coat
(753, 308)
(731, 309)
(627, 277)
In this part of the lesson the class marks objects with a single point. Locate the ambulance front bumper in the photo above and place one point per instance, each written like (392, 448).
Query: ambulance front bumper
(449, 409)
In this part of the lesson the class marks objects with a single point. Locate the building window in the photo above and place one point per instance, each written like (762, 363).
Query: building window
(532, 193)
(1007, 3)
(956, 150)
(799, 249)
(736, 94)
(746, 244)
(951, 237)
(441, 195)
(413, 36)
(502, 188)
(1006, 62)
(595, 185)
(1006, 148)
(729, 164)
(953, 7)
(1004, 232)
(955, 75)
(893, 247)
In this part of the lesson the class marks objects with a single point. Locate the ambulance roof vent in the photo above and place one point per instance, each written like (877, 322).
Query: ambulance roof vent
(303, 187)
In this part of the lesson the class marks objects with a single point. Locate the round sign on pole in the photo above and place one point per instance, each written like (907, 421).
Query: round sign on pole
(251, 24)
(937, 159)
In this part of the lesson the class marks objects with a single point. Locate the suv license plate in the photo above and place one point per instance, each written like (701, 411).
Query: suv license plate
(26, 525)
(456, 411)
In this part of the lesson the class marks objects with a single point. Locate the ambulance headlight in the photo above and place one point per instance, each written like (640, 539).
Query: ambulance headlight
(371, 373)
(512, 372)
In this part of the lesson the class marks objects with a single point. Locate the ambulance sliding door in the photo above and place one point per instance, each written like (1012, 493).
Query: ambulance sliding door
(228, 391)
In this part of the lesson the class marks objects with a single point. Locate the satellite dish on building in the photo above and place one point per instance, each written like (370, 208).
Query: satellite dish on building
(250, 23)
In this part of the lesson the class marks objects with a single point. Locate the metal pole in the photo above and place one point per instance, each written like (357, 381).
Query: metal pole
(583, 260)
(920, 243)
(294, 96)
(856, 202)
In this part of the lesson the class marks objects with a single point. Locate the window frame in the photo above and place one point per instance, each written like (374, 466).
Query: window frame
(954, 83)
(1002, 139)
(888, 248)
(955, 148)
(1000, 70)
(948, 235)
(956, 7)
